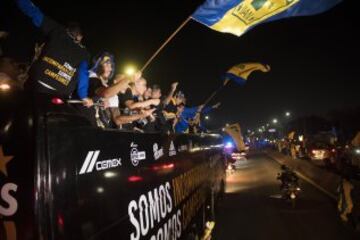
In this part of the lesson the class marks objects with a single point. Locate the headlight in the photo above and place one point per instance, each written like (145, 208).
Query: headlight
(4, 87)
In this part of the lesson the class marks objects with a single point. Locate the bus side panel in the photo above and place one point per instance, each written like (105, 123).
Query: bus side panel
(117, 185)
(17, 175)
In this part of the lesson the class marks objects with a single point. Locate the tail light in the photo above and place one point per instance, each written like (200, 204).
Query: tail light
(135, 179)
(57, 101)
(163, 167)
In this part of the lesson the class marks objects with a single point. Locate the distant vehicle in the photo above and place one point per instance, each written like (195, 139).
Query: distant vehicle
(239, 158)
(322, 154)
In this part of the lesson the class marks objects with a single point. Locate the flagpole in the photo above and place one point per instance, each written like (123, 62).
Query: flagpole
(165, 43)
(215, 92)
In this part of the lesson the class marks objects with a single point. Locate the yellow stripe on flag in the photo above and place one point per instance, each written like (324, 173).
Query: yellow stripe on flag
(244, 70)
(249, 13)
(234, 131)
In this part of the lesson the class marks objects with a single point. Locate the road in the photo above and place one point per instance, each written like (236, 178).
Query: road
(252, 209)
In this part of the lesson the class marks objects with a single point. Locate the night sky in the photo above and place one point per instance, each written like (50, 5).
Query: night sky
(314, 59)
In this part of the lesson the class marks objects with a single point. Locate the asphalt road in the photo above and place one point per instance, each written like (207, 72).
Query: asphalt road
(252, 209)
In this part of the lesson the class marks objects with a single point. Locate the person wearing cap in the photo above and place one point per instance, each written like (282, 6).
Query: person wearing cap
(103, 90)
(62, 68)
(100, 77)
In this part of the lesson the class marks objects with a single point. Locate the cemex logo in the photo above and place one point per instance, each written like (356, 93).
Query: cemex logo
(91, 162)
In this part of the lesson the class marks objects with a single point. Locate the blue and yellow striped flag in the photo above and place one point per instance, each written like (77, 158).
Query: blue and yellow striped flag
(241, 72)
(237, 16)
(234, 132)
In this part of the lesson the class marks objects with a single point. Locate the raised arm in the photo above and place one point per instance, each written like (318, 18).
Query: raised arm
(83, 84)
(83, 80)
(122, 83)
(171, 93)
(46, 24)
(30, 10)
(144, 104)
(119, 119)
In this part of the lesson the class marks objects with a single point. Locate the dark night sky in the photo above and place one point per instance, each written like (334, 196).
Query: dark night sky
(314, 59)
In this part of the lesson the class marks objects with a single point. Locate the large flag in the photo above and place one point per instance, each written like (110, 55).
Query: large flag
(234, 132)
(241, 72)
(237, 16)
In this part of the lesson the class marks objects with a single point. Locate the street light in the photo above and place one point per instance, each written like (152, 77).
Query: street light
(130, 70)
(287, 114)
(100, 189)
(207, 117)
(275, 121)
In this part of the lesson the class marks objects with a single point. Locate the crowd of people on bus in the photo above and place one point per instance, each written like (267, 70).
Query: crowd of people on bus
(62, 67)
